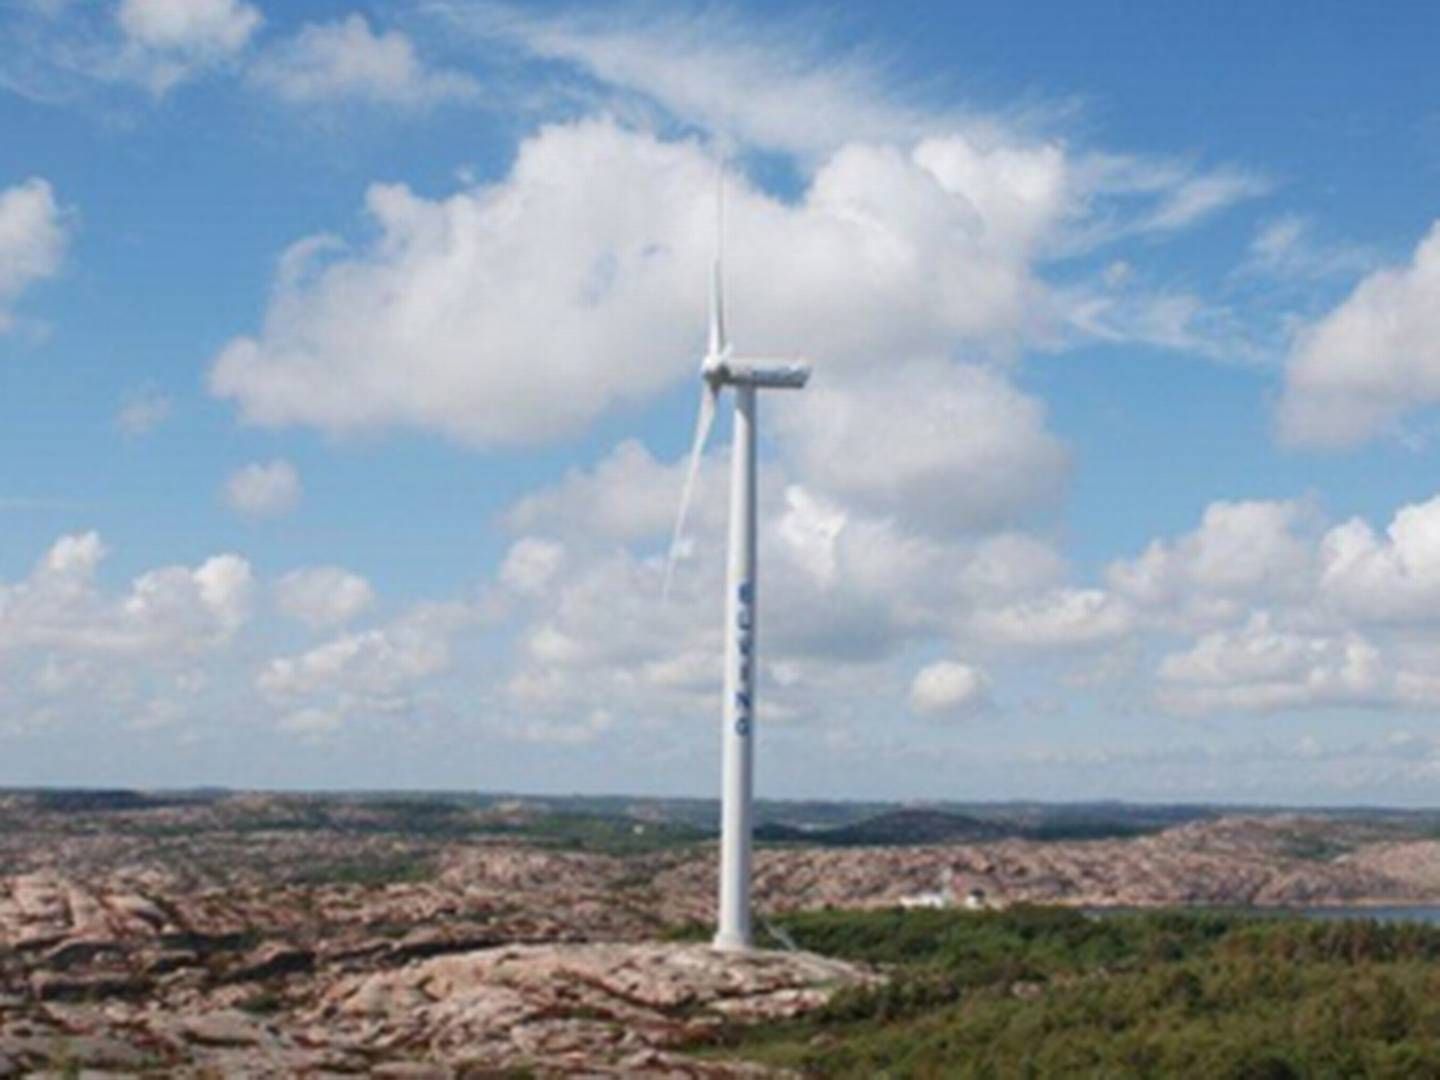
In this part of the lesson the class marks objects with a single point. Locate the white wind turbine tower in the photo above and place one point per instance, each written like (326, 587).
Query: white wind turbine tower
(719, 369)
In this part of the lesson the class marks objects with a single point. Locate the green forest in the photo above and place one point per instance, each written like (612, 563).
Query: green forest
(1037, 992)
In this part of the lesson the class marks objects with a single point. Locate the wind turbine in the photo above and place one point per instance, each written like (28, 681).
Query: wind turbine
(746, 375)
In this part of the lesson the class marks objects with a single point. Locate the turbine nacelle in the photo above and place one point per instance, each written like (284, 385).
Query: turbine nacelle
(761, 372)
(767, 374)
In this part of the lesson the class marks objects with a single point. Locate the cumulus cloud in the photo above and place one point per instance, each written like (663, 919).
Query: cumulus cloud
(260, 491)
(1376, 357)
(373, 661)
(61, 52)
(531, 564)
(171, 650)
(169, 610)
(518, 312)
(790, 86)
(1261, 668)
(1278, 557)
(386, 670)
(497, 316)
(346, 60)
(628, 495)
(34, 233)
(1389, 579)
(167, 41)
(525, 309)
(192, 25)
(947, 687)
(1283, 612)
(951, 446)
(1242, 554)
(323, 596)
(216, 593)
(843, 591)
(1065, 617)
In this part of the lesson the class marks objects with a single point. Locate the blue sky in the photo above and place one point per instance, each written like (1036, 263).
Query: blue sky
(347, 368)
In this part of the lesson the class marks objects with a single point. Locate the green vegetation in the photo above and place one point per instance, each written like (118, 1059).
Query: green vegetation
(1048, 993)
(606, 835)
(370, 871)
(894, 827)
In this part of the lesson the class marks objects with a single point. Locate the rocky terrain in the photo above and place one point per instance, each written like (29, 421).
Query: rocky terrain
(270, 936)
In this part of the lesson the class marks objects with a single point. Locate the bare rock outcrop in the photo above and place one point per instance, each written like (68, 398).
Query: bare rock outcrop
(564, 1006)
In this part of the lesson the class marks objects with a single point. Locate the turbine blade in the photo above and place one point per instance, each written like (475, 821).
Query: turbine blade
(717, 283)
(703, 422)
(717, 310)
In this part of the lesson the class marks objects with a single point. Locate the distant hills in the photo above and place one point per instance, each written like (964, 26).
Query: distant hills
(908, 826)
(628, 823)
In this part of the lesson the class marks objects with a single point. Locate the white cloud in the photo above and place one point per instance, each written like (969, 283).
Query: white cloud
(949, 446)
(1264, 669)
(167, 41)
(173, 610)
(1161, 196)
(323, 596)
(507, 315)
(789, 86)
(1198, 197)
(810, 530)
(1290, 614)
(1394, 579)
(843, 592)
(526, 309)
(1117, 308)
(947, 687)
(346, 60)
(377, 661)
(200, 25)
(626, 496)
(311, 723)
(1286, 248)
(143, 413)
(531, 564)
(595, 725)
(212, 598)
(770, 88)
(1353, 374)
(1242, 554)
(34, 233)
(517, 313)
(384, 670)
(1062, 618)
(259, 491)
(74, 558)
